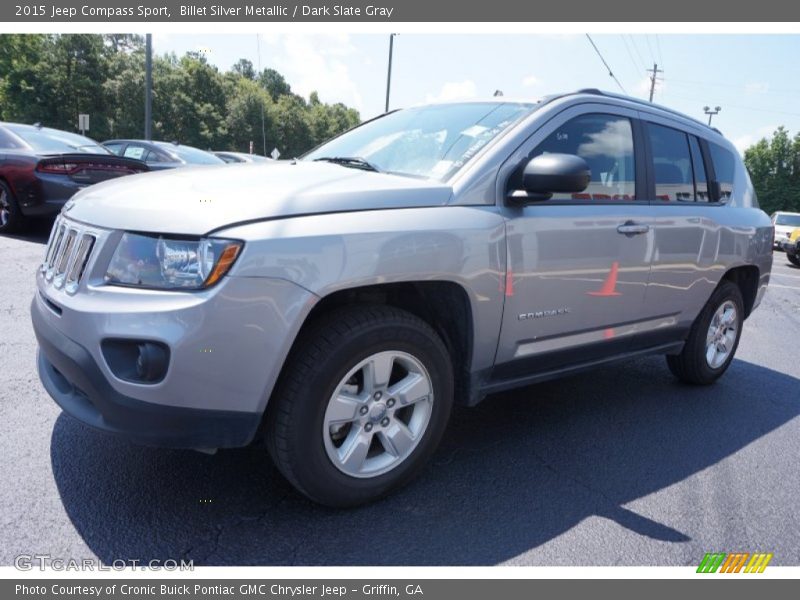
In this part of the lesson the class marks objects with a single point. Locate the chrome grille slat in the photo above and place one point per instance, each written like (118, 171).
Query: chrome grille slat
(67, 255)
(78, 262)
(57, 247)
(49, 251)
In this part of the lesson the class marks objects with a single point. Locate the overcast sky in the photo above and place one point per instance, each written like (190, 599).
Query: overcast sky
(753, 78)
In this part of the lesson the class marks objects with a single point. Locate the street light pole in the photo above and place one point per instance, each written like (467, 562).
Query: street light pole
(711, 113)
(389, 73)
(148, 87)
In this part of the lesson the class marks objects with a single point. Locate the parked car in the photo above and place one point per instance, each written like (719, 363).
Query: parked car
(784, 223)
(791, 246)
(341, 303)
(240, 157)
(162, 155)
(41, 168)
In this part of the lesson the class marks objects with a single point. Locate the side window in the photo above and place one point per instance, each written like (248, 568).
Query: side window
(699, 167)
(724, 162)
(153, 157)
(605, 142)
(672, 163)
(133, 151)
(115, 148)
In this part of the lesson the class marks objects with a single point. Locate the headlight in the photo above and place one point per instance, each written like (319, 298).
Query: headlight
(161, 262)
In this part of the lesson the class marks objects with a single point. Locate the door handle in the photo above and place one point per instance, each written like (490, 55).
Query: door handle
(631, 228)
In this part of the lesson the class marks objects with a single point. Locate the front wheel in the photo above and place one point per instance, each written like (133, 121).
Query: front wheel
(713, 338)
(361, 406)
(794, 259)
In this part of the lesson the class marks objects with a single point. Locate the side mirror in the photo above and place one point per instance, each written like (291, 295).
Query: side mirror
(548, 174)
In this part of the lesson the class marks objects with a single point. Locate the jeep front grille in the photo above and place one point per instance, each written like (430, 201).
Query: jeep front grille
(67, 255)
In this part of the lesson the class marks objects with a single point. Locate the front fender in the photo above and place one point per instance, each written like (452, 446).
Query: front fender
(333, 252)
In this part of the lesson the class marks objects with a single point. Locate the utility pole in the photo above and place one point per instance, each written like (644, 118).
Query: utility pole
(148, 87)
(653, 78)
(711, 113)
(389, 74)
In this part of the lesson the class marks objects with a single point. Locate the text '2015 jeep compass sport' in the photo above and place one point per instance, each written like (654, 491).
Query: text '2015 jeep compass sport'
(339, 304)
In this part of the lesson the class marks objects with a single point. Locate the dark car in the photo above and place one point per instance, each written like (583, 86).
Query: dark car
(41, 168)
(240, 157)
(162, 155)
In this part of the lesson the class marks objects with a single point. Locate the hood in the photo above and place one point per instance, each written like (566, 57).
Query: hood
(196, 200)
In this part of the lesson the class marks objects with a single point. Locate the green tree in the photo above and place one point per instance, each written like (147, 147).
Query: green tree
(274, 83)
(50, 79)
(774, 167)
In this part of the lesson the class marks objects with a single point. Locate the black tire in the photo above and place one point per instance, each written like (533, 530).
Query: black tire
(11, 218)
(794, 259)
(691, 366)
(322, 356)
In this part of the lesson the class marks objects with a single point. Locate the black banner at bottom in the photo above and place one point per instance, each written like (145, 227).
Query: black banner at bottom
(405, 589)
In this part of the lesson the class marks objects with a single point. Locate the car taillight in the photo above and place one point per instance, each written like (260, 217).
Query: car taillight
(57, 167)
(71, 168)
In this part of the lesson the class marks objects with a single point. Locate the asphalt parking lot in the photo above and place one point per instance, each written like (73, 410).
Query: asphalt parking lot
(621, 466)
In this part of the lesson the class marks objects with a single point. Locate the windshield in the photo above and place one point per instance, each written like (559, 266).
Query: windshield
(788, 220)
(192, 155)
(430, 141)
(48, 141)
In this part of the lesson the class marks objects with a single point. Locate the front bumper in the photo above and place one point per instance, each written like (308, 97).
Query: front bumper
(73, 379)
(226, 349)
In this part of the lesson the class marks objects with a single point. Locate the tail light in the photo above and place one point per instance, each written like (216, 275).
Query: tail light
(71, 167)
(63, 168)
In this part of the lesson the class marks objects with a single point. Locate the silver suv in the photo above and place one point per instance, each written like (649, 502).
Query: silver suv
(338, 305)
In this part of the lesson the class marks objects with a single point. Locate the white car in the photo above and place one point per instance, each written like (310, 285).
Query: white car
(784, 223)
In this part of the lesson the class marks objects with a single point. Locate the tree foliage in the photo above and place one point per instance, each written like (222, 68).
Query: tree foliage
(50, 79)
(774, 166)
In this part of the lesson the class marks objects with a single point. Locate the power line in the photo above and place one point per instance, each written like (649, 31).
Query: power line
(636, 68)
(649, 48)
(737, 106)
(658, 44)
(610, 72)
(688, 82)
(636, 48)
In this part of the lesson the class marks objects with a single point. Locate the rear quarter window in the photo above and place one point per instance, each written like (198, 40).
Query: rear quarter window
(724, 168)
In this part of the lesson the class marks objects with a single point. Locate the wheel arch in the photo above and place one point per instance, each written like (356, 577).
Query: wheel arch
(746, 278)
(444, 305)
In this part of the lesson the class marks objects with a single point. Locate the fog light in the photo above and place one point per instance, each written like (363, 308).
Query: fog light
(151, 364)
(137, 361)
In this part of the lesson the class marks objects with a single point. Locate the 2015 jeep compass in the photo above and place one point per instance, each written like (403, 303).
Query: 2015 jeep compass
(339, 304)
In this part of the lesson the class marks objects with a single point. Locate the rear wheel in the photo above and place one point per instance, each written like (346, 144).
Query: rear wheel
(361, 406)
(794, 259)
(11, 219)
(713, 339)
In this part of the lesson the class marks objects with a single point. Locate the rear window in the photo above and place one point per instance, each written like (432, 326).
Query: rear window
(788, 220)
(672, 164)
(53, 141)
(9, 142)
(724, 167)
(192, 155)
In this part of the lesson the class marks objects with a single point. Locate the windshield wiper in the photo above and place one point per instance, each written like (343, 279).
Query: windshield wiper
(354, 162)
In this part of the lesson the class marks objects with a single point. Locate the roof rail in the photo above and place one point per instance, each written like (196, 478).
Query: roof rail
(597, 92)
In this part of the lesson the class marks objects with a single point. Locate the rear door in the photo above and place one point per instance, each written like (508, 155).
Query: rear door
(687, 198)
(578, 264)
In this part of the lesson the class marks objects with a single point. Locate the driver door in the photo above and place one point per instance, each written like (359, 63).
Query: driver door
(578, 264)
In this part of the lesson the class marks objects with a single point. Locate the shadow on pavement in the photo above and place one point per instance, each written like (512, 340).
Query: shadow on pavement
(36, 230)
(511, 474)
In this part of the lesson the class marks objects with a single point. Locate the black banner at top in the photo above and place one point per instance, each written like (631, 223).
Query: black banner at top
(398, 11)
